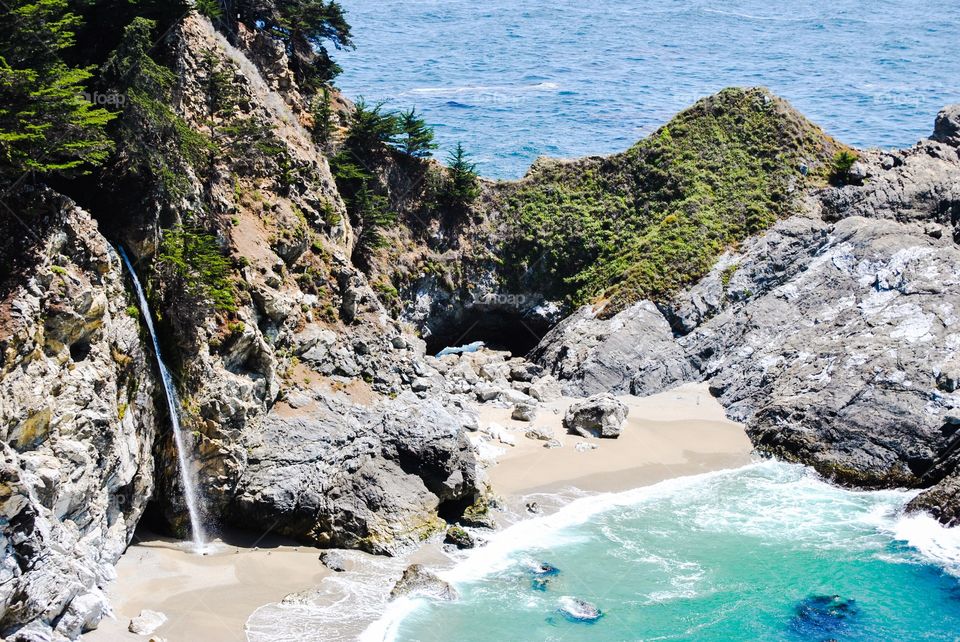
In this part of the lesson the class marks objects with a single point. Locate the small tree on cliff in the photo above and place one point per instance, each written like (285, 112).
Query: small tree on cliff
(461, 187)
(417, 138)
(305, 27)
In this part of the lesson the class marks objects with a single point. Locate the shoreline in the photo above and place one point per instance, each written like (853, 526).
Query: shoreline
(678, 433)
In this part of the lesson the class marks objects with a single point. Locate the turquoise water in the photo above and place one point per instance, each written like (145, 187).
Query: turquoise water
(514, 80)
(728, 556)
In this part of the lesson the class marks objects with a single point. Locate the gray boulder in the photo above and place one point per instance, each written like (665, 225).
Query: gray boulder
(599, 416)
(334, 560)
(947, 127)
(147, 622)
(417, 580)
(540, 433)
(524, 412)
(350, 477)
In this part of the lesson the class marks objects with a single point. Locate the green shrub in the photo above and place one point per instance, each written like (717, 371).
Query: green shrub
(656, 218)
(194, 259)
(843, 161)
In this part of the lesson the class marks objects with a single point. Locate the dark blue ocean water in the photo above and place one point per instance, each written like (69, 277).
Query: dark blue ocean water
(516, 79)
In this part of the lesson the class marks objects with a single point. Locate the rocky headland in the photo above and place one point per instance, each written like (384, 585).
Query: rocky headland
(817, 298)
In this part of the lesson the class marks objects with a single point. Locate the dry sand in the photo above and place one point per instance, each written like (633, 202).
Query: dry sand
(209, 598)
(672, 434)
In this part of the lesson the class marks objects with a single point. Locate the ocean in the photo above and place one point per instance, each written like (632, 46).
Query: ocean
(765, 552)
(516, 80)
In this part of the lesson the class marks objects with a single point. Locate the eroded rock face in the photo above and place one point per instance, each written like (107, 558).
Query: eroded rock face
(833, 335)
(78, 422)
(350, 477)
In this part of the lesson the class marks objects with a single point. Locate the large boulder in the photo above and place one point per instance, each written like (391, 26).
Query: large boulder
(375, 479)
(599, 416)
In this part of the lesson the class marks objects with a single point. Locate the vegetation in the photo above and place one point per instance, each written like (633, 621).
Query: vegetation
(151, 138)
(192, 262)
(305, 27)
(655, 218)
(47, 124)
(843, 162)
(323, 125)
(417, 138)
(461, 186)
(372, 134)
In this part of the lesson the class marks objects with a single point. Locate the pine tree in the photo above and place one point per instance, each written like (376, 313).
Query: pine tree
(305, 27)
(371, 129)
(418, 136)
(462, 186)
(323, 118)
(374, 214)
(47, 123)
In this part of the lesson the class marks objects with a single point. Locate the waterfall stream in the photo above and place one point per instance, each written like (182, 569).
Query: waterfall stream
(186, 474)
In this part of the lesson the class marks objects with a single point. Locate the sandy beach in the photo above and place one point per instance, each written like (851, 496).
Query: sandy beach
(211, 597)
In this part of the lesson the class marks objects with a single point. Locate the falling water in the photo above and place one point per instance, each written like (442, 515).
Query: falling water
(186, 477)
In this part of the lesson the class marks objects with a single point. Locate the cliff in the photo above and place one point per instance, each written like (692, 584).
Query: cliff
(831, 335)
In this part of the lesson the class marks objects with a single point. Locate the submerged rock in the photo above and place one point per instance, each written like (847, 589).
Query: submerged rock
(577, 610)
(459, 537)
(821, 615)
(543, 569)
(599, 416)
(334, 560)
(417, 580)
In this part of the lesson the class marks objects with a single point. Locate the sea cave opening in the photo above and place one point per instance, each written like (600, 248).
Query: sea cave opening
(515, 332)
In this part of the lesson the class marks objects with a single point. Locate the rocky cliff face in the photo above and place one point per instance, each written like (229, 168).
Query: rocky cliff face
(832, 335)
(288, 390)
(78, 424)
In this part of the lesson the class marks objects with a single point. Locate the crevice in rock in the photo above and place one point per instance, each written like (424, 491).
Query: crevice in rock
(80, 350)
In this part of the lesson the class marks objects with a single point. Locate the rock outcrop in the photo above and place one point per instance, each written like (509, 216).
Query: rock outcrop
(832, 335)
(417, 580)
(599, 416)
(78, 423)
(346, 476)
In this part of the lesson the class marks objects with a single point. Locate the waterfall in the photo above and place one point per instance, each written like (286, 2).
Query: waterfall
(173, 403)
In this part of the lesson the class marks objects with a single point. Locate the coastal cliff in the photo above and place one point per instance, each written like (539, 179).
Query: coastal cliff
(816, 298)
(831, 335)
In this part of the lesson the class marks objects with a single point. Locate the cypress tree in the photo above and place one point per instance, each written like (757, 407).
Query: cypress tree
(48, 125)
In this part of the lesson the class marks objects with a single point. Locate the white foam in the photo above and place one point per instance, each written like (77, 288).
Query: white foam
(547, 532)
(934, 541)
(475, 89)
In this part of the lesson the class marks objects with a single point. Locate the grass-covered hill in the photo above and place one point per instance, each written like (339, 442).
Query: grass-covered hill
(646, 222)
